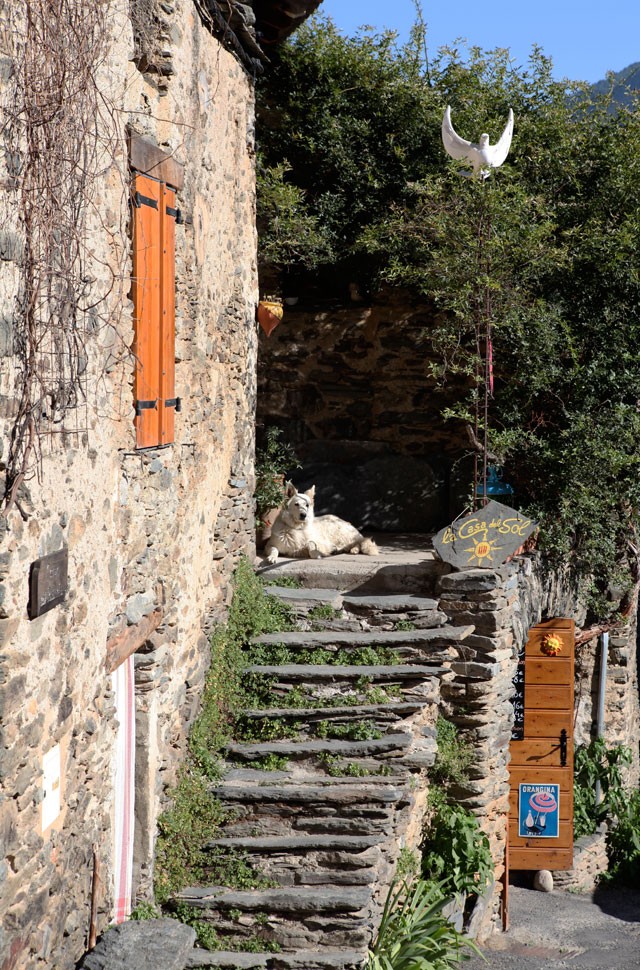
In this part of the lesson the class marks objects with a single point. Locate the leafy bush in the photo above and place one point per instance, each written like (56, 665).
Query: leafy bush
(619, 806)
(413, 933)
(623, 842)
(457, 852)
(596, 763)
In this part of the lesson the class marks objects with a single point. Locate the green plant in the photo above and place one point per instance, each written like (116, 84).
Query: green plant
(454, 756)
(351, 731)
(206, 934)
(270, 762)
(364, 656)
(595, 763)
(183, 830)
(286, 582)
(338, 768)
(413, 933)
(408, 865)
(623, 841)
(144, 910)
(255, 729)
(323, 611)
(456, 851)
(404, 625)
(273, 462)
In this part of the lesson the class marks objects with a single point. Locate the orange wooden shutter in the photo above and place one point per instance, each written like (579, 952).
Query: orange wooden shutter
(168, 317)
(154, 311)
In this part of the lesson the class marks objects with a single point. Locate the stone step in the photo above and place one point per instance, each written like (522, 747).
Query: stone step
(411, 566)
(304, 795)
(293, 917)
(270, 821)
(389, 603)
(300, 844)
(393, 612)
(314, 673)
(302, 775)
(334, 639)
(299, 960)
(311, 858)
(385, 713)
(305, 599)
(392, 745)
(297, 901)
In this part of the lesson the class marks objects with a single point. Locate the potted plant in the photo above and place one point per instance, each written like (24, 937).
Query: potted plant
(273, 461)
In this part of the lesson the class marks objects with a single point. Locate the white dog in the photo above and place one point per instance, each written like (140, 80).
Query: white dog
(297, 533)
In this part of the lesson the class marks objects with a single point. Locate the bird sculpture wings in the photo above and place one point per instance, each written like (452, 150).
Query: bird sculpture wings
(482, 156)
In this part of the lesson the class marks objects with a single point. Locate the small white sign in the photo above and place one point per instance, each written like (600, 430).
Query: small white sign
(51, 783)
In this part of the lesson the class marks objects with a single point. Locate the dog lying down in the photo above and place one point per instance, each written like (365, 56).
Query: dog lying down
(298, 534)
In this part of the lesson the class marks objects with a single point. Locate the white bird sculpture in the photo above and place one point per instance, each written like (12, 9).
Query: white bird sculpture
(482, 156)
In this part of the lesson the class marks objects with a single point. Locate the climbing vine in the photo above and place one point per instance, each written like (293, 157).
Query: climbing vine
(55, 149)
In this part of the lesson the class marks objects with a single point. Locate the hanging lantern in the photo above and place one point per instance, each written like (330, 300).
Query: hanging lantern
(269, 315)
(497, 489)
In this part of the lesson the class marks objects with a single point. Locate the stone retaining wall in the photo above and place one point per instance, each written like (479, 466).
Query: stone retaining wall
(589, 862)
(503, 604)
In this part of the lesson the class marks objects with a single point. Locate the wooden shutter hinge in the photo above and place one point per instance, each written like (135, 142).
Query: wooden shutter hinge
(177, 215)
(139, 200)
(141, 406)
(174, 402)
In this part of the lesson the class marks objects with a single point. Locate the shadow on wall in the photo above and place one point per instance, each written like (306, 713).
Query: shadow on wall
(382, 493)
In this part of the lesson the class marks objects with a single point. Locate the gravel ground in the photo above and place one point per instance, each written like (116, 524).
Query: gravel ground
(599, 931)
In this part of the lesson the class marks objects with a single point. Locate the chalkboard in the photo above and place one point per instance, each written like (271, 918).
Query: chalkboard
(517, 733)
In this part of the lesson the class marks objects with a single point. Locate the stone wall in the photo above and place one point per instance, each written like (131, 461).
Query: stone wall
(352, 390)
(149, 531)
(503, 604)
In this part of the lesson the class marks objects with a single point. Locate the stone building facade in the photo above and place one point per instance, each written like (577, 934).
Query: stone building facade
(116, 559)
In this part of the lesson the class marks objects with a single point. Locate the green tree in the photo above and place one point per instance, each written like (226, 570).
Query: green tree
(546, 248)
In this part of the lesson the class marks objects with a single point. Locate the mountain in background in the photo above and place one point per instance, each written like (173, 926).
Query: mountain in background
(628, 77)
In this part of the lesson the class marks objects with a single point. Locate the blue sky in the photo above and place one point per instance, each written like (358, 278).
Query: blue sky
(584, 39)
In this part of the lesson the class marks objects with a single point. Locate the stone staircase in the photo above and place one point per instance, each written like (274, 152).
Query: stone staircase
(344, 717)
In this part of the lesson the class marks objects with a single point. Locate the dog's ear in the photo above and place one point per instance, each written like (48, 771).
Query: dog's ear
(311, 493)
(290, 490)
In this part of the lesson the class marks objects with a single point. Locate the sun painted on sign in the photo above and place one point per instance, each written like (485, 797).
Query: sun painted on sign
(484, 538)
(539, 811)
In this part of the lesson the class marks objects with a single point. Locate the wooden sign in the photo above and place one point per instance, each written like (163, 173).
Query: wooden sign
(484, 538)
(541, 765)
(48, 582)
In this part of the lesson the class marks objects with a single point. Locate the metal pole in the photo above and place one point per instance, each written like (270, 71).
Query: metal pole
(602, 689)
